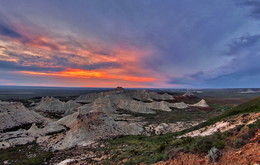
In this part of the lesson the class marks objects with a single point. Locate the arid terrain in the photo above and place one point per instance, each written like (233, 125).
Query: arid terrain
(130, 126)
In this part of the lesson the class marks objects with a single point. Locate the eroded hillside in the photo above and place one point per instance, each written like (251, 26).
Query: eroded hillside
(123, 127)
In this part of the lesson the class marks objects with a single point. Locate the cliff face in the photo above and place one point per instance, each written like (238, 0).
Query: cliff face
(14, 115)
(85, 129)
(53, 105)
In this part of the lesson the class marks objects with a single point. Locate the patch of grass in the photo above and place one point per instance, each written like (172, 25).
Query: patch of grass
(25, 154)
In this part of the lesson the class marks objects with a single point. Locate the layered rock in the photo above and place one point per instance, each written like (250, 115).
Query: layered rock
(223, 126)
(14, 115)
(53, 105)
(106, 115)
(22, 136)
(14, 138)
(141, 95)
(122, 101)
(84, 129)
(144, 95)
(140, 107)
(180, 105)
(164, 128)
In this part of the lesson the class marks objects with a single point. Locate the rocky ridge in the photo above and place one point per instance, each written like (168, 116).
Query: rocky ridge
(101, 117)
(53, 105)
(14, 115)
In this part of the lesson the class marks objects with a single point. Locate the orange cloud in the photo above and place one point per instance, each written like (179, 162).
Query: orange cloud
(45, 51)
(86, 74)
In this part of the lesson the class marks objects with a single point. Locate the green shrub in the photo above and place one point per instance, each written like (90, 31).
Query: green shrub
(238, 143)
(202, 145)
(156, 158)
(219, 144)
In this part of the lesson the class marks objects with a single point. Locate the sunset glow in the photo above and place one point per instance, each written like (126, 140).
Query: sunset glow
(141, 45)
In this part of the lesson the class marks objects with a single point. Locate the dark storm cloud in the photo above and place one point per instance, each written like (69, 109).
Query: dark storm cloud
(244, 42)
(254, 7)
(13, 66)
(242, 70)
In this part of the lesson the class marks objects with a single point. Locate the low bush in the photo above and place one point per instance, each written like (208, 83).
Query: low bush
(238, 143)
(219, 144)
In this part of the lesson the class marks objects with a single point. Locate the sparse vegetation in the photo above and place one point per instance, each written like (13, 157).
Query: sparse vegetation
(150, 149)
(156, 148)
(26, 154)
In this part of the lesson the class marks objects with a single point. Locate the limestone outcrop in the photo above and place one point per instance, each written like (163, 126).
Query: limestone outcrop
(85, 129)
(14, 115)
(105, 115)
(140, 107)
(144, 95)
(188, 94)
(53, 105)
(180, 105)
(140, 95)
(202, 103)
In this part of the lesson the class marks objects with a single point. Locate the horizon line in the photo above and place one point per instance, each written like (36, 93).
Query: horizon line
(129, 88)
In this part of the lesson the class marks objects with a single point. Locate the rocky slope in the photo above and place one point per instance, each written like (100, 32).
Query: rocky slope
(90, 118)
(14, 115)
(101, 119)
(224, 125)
(53, 105)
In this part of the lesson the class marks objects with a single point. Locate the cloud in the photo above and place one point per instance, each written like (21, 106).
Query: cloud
(13, 66)
(157, 43)
(8, 31)
(242, 43)
(241, 71)
(254, 6)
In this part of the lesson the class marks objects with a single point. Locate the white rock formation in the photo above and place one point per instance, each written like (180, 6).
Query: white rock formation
(141, 95)
(188, 94)
(106, 115)
(144, 95)
(180, 105)
(53, 105)
(164, 128)
(85, 129)
(226, 125)
(202, 103)
(13, 114)
(140, 107)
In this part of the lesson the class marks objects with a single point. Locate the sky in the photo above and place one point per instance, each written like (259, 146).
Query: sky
(130, 43)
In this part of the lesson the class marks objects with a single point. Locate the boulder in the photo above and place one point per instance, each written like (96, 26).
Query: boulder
(214, 154)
